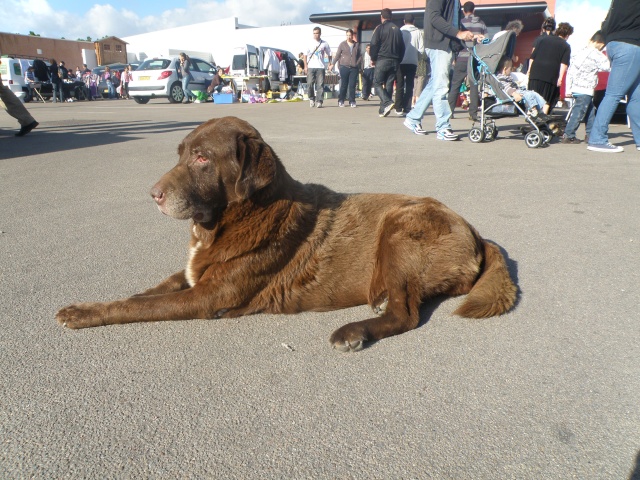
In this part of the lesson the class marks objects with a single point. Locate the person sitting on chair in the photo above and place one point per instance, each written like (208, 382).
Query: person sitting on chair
(31, 82)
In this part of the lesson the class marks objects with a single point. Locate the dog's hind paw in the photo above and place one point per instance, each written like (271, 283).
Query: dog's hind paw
(349, 338)
(381, 308)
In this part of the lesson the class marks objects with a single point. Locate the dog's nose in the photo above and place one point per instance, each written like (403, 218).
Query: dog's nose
(157, 194)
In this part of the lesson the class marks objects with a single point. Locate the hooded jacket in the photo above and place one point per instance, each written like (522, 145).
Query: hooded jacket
(387, 42)
(413, 43)
(439, 31)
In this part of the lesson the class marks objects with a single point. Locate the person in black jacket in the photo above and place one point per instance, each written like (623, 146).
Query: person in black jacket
(441, 21)
(387, 50)
(622, 36)
(56, 81)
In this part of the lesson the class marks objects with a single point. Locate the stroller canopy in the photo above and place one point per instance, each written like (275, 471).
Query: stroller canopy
(488, 55)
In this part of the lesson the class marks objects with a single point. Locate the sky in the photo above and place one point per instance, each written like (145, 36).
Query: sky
(81, 19)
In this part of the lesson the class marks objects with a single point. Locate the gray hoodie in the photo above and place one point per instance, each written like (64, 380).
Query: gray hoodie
(413, 43)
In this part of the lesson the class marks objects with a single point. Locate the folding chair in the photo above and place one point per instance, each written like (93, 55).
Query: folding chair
(35, 88)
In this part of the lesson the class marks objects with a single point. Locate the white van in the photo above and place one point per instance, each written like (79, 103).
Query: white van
(13, 70)
(251, 61)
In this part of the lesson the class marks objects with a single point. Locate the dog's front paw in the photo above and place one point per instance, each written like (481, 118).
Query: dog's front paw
(81, 315)
(349, 338)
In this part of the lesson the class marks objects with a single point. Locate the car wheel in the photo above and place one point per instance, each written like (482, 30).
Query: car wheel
(141, 100)
(176, 94)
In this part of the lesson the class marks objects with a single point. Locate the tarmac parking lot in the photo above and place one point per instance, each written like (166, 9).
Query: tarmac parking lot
(547, 391)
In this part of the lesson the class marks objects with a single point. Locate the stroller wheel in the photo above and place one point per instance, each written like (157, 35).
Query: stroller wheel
(490, 133)
(533, 139)
(476, 135)
(547, 135)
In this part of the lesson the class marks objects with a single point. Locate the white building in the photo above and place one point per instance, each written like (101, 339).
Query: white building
(215, 40)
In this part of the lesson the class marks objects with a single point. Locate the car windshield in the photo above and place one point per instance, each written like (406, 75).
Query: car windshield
(154, 64)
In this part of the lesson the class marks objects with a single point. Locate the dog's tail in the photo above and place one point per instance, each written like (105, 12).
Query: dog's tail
(494, 293)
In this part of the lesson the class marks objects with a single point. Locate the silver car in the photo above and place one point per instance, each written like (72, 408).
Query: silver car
(158, 78)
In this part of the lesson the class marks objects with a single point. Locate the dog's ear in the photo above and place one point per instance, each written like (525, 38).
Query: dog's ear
(257, 166)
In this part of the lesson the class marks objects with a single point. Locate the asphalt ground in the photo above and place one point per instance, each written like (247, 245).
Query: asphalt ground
(550, 390)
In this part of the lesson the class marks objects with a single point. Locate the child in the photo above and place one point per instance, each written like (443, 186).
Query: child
(533, 100)
(582, 79)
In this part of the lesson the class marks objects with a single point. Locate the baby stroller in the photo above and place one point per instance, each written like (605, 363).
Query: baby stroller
(495, 102)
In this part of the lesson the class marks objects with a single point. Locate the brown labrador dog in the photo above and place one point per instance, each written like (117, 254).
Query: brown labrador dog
(263, 242)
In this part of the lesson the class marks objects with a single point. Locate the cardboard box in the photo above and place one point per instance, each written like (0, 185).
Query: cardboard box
(224, 98)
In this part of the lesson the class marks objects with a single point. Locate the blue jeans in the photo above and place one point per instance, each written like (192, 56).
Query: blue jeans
(436, 91)
(582, 109)
(112, 89)
(188, 94)
(58, 91)
(385, 74)
(315, 84)
(532, 99)
(624, 79)
(348, 79)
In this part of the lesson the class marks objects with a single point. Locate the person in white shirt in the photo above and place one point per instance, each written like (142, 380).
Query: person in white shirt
(406, 74)
(314, 66)
(367, 74)
(582, 78)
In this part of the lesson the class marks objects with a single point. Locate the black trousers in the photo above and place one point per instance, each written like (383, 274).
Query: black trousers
(459, 74)
(367, 82)
(385, 74)
(405, 80)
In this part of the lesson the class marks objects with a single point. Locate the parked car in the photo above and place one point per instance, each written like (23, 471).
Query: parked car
(103, 90)
(158, 78)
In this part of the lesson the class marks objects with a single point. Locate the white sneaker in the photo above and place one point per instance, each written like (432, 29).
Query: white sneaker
(415, 127)
(353, 105)
(312, 103)
(341, 104)
(319, 105)
(447, 135)
(606, 148)
(197, 101)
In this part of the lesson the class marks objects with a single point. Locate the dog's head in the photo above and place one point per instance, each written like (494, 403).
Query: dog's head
(222, 161)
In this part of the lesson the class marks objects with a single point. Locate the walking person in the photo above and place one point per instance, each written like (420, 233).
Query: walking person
(406, 75)
(367, 74)
(14, 107)
(621, 29)
(476, 26)
(107, 75)
(185, 73)
(56, 81)
(582, 79)
(348, 58)
(387, 50)
(125, 79)
(549, 63)
(441, 19)
(314, 68)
